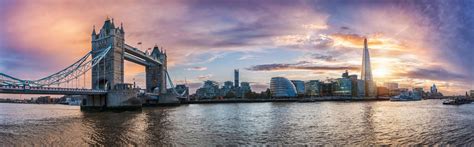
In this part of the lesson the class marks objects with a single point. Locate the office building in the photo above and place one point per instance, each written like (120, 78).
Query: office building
(312, 88)
(281, 87)
(370, 87)
(209, 90)
(434, 89)
(383, 92)
(236, 78)
(182, 89)
(300, 88)
(360, 88)
(244, 88)
(343, 87)
(390, 85)
(418, 93)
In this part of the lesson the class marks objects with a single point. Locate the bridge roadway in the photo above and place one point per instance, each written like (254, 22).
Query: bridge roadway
(135, 55)
(50, 91)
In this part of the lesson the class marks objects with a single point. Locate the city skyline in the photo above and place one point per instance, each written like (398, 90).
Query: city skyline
(306, 41)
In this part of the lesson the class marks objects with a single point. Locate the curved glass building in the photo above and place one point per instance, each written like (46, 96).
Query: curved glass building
(282, 87)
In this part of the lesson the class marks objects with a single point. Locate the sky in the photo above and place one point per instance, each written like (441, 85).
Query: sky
(414, 43)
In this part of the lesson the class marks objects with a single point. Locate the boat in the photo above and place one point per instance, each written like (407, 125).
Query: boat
(457, 101)
(406, 96)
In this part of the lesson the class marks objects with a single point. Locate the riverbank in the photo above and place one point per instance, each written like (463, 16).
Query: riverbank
(319, 99)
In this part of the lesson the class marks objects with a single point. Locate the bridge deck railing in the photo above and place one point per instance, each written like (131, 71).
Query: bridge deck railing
(49, 88)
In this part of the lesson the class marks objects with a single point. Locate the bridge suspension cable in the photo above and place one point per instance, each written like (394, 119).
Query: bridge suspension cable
(69, 74)
(173, 87)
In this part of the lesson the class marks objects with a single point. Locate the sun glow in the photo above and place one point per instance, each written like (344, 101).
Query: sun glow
(381, 72)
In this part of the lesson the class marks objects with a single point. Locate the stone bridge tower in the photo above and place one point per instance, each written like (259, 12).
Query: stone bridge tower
(156, 74)
(109, 71)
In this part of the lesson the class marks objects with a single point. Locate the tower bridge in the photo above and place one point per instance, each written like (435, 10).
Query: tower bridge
(105, 62)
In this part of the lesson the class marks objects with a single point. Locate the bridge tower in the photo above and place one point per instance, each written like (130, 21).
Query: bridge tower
(109, 71)
(156, 74)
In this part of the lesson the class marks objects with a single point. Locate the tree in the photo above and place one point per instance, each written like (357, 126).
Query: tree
(230, 95)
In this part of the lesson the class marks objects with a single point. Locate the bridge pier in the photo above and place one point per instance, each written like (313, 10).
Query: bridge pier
(122, 97)
(94, 103)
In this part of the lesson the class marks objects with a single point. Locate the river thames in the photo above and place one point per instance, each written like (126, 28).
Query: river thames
(425, 122)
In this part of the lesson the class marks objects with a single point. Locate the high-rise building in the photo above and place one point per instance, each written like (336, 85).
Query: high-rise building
(434, 89)
(370, 88)
(236, 78)
(360, 88)
(244, 88)
(228, 85)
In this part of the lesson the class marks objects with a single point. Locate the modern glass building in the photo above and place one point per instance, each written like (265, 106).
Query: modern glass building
(299, 85)
(343, 87)
(210, 89)
(244, 88)
(281, 87)
(312, 88)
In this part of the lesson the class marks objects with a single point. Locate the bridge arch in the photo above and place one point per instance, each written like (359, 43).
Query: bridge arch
(103, 84)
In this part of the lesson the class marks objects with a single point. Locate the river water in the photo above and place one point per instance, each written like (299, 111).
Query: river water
(425, 122)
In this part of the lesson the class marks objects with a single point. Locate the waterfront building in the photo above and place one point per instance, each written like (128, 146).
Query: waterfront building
(244, 88)
(394, 92)
(405, 94)
(354, 85)
(312, 88)
(433, 89)
(282, 87)
(345, 74)
(360, 88)
(327, 89)
(434, 93)
(209, 90)
(390, 85)
(45, 100)
(383, 92)
(228, 85)
(236, 78)
(418, 93)
(226, 88)
(369, 85)
(472, 93)
(343, 87)
(182, 89)
(300, 87)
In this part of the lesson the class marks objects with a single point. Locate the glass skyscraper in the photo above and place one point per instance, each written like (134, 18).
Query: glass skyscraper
(366, 75)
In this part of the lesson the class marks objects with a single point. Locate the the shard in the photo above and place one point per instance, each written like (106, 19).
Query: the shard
(366, 74)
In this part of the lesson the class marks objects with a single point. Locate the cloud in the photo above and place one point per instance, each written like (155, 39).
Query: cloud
(298, 66)
(436, 73)
(327, 58)
(197, 68)
(405, 37)
(247, 57)
(345, 28)
(204, 77)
